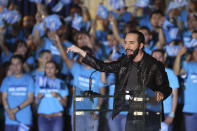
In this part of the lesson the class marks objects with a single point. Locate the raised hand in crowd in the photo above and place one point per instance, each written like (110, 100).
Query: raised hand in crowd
(115, 30)
(2, 44)
(177, 67)
(76, 49)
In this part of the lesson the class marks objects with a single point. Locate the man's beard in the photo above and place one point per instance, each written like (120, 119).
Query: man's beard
(132, 56)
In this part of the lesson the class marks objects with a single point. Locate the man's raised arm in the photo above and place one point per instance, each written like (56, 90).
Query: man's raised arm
(95, 63)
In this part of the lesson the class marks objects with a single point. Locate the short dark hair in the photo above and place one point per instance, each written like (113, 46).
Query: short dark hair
(20, 42)
(195, 31)
(56, 66)
(53, 62)
(157, 12)
(44, 51)
(19, 57)
(145, 28)
(140, 37)
(159, 50)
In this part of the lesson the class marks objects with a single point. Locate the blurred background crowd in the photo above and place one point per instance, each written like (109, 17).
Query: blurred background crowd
(38, 78)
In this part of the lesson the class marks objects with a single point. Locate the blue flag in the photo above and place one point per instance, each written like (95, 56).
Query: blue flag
(11, 16)
(58, 7)
(4, 2)
(47, 2)
(66, 1)
(36, 1)
(102, 11)
(172, 50)
(76, 23)
(2, 23)
(53, 22)
(117, 4)
(142, 3)
(191, 44)
(40, 27)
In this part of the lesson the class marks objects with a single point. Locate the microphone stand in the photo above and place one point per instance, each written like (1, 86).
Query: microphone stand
(89, 93)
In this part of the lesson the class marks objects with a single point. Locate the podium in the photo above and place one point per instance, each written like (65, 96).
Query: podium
(140, 106)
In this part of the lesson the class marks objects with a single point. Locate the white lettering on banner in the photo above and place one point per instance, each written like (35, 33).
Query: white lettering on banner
(80, 113)
(85, 79)
(51, 83)
(42, 91)
(194, 81)
(18, 90)
(21, 89)
(18, 94)
(194, 77)
(79, 99)
(47, 92)
(42, 81)
(48, 95)
(11, 89)
(83, 84)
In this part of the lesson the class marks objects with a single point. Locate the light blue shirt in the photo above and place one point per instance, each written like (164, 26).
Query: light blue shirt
(81, 82)
(49, 104)
(174, 84)
(18, 89)
(190, 93)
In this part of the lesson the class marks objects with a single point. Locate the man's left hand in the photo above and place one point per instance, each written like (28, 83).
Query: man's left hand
(159, 96)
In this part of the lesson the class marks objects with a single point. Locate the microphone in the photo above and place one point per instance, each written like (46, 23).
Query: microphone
(89, 93)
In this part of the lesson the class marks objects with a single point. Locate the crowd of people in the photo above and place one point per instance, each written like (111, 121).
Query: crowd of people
(39, 80)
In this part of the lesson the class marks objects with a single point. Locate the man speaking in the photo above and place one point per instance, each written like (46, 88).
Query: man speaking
(141, 83)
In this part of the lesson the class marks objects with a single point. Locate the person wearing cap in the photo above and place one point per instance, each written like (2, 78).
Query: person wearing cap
(189, 69)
